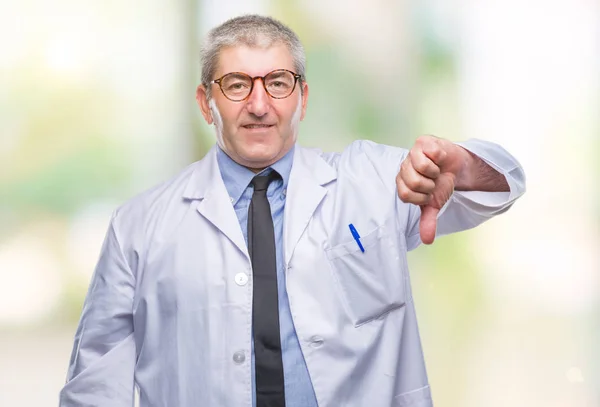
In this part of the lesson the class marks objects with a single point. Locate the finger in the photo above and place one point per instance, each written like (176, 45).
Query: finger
(428, 223)
(414, 180)
(434, 151)
(424, 165)
(409, 196)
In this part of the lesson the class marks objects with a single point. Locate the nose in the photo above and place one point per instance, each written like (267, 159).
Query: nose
(258, 103)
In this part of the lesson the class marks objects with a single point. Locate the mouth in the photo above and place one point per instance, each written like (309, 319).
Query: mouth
(257, 126)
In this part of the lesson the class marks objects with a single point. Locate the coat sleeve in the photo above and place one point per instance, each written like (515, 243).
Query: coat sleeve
(101, 369)
(467, 209)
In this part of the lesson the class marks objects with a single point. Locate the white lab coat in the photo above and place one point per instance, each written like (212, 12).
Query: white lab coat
(169, 304)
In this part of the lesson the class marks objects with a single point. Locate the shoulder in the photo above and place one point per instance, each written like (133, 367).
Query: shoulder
(149, 215)
(157, 196)
(363, 154)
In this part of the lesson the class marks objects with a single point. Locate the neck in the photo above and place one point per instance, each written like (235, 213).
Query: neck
(256, 170)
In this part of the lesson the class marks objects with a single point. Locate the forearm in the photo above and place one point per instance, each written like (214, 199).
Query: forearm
(102, 366)
(477, 175)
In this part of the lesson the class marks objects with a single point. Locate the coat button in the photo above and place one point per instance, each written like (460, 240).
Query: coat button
(241, 279)
(239, 357)
(316, 341)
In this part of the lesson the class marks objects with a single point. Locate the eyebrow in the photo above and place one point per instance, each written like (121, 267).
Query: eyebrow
(277, 74)
(238, 75)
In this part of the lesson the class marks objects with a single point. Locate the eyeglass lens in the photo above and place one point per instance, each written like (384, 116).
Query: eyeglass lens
(237, 86)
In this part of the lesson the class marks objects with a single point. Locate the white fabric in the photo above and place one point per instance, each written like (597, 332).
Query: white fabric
(165, 305)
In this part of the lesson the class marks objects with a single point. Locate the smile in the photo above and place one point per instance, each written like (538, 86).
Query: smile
(257, 126)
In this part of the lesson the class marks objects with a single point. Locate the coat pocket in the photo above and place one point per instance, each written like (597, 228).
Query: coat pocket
(415, 398)
(371, 283)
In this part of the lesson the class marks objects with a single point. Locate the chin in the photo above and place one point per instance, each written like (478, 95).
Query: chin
(255, 153)
(262, 151)
(259, 160)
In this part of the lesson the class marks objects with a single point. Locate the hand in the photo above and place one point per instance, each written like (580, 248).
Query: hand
(427, 178)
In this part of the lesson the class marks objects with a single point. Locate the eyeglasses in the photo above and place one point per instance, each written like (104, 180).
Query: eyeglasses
(237, 86)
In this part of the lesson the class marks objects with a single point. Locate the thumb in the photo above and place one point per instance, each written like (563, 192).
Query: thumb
(428, 223)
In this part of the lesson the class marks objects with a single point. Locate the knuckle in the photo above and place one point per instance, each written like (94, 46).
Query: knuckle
(416, 183)
(404, 193)
(424, 137)
(430, 188)
(399, 181)
(410, 158)
(422, 166)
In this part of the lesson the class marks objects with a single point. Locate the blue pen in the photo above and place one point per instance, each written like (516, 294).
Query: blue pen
(356, 237)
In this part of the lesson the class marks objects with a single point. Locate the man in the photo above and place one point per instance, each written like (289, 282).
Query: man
(267, 274)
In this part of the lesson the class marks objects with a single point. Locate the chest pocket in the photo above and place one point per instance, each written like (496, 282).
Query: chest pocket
(371, 283)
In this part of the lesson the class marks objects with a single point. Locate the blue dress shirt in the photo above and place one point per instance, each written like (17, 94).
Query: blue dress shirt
(298, 386)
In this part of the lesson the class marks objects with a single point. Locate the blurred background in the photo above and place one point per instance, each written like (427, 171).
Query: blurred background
(97, 104)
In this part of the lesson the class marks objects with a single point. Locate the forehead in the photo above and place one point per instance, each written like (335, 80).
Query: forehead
(255, 61)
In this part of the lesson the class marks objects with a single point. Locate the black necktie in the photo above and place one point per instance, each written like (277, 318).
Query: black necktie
(265, 308)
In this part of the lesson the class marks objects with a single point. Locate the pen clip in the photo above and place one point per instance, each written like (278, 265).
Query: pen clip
(356, 237)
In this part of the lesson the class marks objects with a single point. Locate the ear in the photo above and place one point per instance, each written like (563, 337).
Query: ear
(202, 101)
(304, 99)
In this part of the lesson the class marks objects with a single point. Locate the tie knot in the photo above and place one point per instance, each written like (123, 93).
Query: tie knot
(261, 182)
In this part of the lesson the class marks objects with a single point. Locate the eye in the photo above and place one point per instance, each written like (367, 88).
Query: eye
(236, 86)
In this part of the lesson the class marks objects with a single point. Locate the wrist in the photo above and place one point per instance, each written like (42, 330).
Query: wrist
(464, 170)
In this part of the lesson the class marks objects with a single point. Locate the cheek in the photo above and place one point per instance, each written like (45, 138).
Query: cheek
(288, 113)
(230, 118)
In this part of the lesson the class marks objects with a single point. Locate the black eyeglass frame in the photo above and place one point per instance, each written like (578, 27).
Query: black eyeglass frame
(253, 80)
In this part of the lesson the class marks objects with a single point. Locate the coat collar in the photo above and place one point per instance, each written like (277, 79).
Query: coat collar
(309, 174)
(308, 165)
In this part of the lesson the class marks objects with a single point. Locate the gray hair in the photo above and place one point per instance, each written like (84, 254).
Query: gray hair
(252, 31)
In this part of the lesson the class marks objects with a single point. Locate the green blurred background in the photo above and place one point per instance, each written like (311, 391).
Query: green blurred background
(97, 104)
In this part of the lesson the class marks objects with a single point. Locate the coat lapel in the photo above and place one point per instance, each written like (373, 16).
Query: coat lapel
(304, 194)
(206, 185)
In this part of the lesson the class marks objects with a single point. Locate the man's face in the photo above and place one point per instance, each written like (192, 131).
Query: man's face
(260, 130)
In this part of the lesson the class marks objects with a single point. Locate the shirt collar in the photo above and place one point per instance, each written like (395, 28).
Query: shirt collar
(237, 177)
